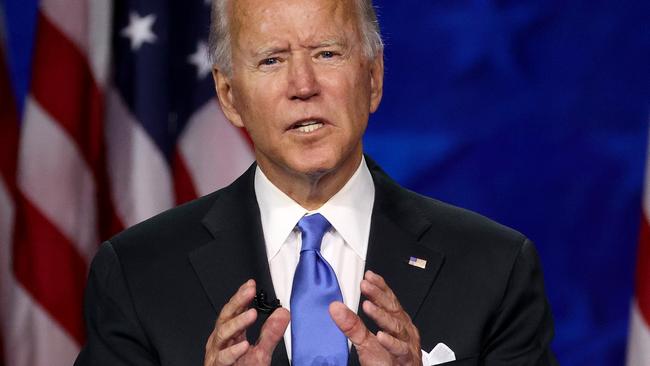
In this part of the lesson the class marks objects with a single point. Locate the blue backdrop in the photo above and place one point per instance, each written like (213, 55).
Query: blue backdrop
(534, 113)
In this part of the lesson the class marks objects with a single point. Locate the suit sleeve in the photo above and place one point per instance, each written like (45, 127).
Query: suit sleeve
(114, 334)
(523, 327)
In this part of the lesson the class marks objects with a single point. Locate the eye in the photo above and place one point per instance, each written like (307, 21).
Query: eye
(327, 54)
(269, 61)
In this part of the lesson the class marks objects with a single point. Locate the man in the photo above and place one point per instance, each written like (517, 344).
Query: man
(305, 222)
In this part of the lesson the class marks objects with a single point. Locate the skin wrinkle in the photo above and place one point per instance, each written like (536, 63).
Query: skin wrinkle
(272, 51)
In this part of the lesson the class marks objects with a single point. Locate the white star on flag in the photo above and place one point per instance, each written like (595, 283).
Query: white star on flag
(139, 30)
(200, 60)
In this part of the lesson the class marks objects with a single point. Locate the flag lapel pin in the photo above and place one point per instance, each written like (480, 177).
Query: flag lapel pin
(418, 262)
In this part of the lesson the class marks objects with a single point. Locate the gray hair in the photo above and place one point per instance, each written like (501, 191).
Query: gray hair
(220, 38)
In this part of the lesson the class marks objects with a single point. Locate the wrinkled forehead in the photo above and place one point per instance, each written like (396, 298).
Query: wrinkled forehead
(307, 20)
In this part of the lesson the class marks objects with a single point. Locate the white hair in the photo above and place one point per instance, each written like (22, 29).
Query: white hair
(220, 38)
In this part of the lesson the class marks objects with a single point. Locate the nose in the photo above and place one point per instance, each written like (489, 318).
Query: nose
(303, 83)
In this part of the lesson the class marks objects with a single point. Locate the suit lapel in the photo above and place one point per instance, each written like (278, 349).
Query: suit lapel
(237, 252)
(395, 231)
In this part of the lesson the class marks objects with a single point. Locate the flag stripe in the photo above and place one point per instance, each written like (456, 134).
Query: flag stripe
(214, 151)
(100, 17)
(71, 21)
(140, 178)
(8, 127)
(50, 268)
(63, 85)
(85, 25)
(45, 151)
(638, 347)
(6, 277)
(34, 338)
(183, 186)
(643, 271)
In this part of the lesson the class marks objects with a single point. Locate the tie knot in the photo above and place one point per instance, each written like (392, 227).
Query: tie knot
(313, 227)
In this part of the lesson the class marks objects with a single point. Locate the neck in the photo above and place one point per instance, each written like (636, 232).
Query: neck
(311, 191)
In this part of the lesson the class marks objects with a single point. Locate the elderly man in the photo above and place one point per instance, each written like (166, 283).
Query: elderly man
(365, 271)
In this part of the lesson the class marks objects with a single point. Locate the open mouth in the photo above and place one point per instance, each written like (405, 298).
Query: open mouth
(307, 126)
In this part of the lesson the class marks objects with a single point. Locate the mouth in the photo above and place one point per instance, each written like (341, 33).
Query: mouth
(307, 125)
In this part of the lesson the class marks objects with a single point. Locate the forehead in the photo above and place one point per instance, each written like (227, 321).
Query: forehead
(263, 21)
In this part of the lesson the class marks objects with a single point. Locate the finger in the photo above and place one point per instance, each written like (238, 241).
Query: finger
(234, 327)
(381, 295)
(376, 280)
(386, 321)
(350, 324)
(273, 330)
(238, 302)
(231, 354)
(393, 345)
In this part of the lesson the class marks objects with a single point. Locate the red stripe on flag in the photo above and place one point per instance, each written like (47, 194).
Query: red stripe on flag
(643, 270)
(183, 185)
(63, 84)
(50, 268)
(107, 218)
(8, 127)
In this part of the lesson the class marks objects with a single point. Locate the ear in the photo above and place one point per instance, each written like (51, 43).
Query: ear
(223, 85)
(376, 81)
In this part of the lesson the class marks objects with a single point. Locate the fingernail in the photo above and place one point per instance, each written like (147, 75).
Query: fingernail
(365, 284)
(366, 307)
(251, 313)
(380, 334)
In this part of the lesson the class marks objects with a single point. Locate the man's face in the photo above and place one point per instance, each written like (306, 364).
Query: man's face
(301, 84)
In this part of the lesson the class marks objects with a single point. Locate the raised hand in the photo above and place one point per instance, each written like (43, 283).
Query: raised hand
(227, 345)
(398, 341)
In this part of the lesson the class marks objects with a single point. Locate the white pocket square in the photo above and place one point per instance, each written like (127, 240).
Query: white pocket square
(439, 354)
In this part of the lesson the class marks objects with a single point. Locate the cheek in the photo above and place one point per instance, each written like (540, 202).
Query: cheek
(252, 105)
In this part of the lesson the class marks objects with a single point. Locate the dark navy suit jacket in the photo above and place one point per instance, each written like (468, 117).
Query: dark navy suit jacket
(155, 290)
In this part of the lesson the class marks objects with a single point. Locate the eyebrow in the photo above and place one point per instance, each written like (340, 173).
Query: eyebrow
(327, 43)
(268, 51)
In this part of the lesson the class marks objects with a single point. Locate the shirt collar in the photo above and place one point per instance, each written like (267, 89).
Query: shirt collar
(349, 211)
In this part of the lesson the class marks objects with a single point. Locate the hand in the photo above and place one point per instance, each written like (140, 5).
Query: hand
(398, 341)
(227, 345)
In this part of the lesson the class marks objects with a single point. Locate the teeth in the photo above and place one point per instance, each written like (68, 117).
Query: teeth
(310, 127)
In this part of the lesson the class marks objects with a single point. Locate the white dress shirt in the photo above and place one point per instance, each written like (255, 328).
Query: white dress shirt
(344, 246)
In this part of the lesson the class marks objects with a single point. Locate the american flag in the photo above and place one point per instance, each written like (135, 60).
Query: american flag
(121, 122)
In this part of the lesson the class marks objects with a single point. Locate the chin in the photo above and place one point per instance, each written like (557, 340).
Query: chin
(314, 167)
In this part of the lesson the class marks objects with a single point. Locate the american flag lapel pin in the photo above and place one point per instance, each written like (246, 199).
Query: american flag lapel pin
(418, 262)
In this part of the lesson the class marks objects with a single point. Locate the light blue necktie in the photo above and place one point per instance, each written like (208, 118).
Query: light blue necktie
(315, 339)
